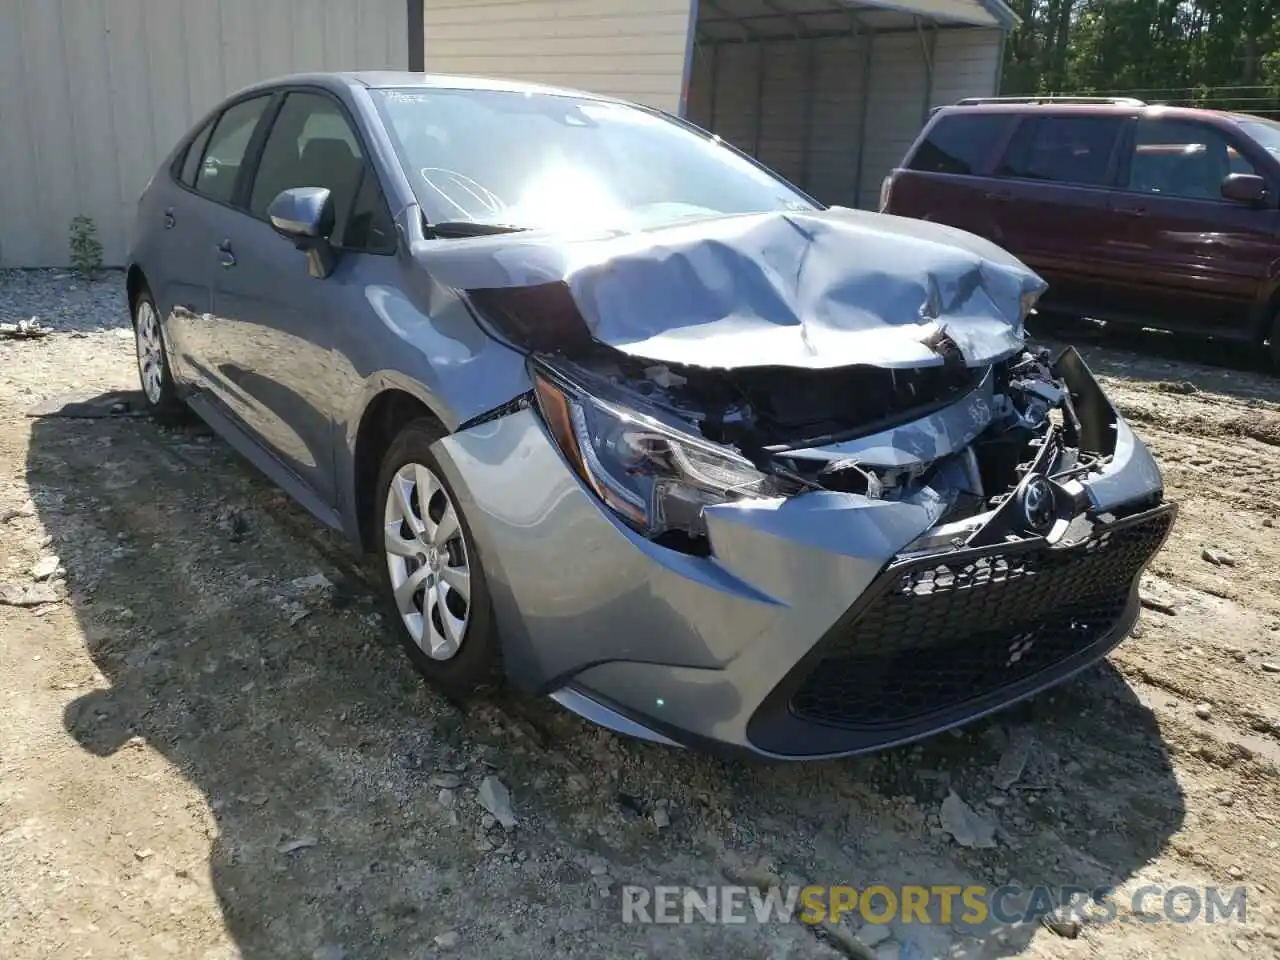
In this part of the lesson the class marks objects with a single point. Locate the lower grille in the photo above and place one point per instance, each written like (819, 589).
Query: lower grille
(935, 634)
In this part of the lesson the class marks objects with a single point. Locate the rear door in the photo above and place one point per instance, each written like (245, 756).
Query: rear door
(1051, 201)
(946, 178)
(206, 189)
(1194, 260)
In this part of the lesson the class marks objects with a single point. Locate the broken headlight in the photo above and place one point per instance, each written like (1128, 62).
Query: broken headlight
(654, 477)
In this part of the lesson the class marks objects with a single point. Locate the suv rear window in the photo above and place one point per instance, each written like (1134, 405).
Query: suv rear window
(960, 144)
(1062, 149)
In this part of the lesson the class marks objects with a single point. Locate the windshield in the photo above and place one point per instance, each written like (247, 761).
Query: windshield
(561, 162)
(1265, 132)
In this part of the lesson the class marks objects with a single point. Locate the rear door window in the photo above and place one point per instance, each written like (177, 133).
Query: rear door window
(223, 157)
(1074, 150)
(961, 144)
(1174, 158)
(195, 152)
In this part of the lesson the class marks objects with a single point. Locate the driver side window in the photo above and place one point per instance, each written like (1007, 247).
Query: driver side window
(1173, 158)
(312, 144)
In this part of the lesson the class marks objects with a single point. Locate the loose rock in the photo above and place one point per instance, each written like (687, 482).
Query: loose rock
(15, 595)
(448, 940)
(495, 798)
(293, 846)
(25, 509)
(1014, 760)
(317, 581)
(329, 951)
(965, 826)
(1204, 711)
(1156, 604)
(1062, 922)
(45, 567)
(844, 941)
(1270, 667)
(1219, 558)
(447, 781)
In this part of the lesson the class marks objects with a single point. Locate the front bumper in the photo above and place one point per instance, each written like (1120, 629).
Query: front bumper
(795, 639)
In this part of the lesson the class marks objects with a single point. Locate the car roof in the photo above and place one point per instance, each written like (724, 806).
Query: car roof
(390, 79)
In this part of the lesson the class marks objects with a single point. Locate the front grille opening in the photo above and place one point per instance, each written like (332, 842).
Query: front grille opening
(941, 633)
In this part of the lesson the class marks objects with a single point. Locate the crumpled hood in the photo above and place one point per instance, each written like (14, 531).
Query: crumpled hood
(801, 289)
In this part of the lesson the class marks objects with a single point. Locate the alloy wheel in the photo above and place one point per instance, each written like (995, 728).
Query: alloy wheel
(427, 560)
(150, 351)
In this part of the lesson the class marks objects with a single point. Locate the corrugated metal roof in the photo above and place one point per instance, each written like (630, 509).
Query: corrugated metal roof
(746, 20)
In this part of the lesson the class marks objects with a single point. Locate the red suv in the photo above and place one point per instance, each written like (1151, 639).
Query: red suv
(1164, 216)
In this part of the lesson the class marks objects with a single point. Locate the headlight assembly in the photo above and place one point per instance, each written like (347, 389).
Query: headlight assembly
(654, 477)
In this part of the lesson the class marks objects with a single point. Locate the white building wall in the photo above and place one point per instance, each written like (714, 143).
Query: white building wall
(94, 93)
(966, 63)
(619, 48)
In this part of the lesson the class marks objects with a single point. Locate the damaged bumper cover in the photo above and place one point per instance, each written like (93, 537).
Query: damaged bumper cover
(818, 625)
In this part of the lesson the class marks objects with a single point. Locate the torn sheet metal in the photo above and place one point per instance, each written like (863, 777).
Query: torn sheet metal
(802, 289)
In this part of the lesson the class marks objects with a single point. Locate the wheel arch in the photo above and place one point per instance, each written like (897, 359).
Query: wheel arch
(385, 414)
(134, 283)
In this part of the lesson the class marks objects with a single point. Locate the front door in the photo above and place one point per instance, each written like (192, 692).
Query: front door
(1196, 261)
(1050, 197)
(279, 324)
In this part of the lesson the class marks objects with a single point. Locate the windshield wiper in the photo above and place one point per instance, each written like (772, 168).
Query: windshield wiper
(469, 228)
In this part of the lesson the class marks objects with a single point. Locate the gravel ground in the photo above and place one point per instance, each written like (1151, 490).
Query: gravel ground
(208, 752)
(63, 300)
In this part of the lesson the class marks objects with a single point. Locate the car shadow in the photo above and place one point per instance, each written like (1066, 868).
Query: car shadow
(285, 701)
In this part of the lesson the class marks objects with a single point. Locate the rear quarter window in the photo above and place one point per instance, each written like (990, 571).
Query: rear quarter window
(960, 144)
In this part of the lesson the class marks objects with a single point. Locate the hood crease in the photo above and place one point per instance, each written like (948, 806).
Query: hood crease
(811, 290)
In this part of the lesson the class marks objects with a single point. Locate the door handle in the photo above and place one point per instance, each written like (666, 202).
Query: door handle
(1133, 211)
(169, 220)
(225, 255)
(998, 195)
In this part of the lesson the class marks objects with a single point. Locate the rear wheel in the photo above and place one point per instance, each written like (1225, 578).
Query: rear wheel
(154, 373)
(431, 575)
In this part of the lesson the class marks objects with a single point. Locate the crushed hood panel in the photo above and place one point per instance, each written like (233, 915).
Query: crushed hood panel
(799, 289)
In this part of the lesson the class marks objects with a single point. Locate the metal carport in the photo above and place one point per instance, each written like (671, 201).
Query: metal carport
(831, 93)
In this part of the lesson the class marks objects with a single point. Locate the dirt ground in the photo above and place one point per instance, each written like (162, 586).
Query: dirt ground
(206, 752)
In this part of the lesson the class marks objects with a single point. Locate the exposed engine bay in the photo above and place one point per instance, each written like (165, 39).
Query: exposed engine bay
(868, 430)
(766, 356)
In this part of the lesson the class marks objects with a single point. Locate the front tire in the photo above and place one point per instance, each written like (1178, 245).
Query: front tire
(154, 373)
(430, 570)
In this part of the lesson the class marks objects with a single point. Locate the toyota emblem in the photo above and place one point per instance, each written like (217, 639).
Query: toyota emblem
(1039, 505)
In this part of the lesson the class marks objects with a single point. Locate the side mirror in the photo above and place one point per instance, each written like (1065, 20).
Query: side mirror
(305, 216)
(1244, 188)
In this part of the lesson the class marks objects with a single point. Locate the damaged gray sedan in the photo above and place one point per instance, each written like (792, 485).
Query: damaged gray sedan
(632, 423)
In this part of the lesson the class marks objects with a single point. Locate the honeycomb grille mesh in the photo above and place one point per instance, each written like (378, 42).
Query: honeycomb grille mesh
(937, 634)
